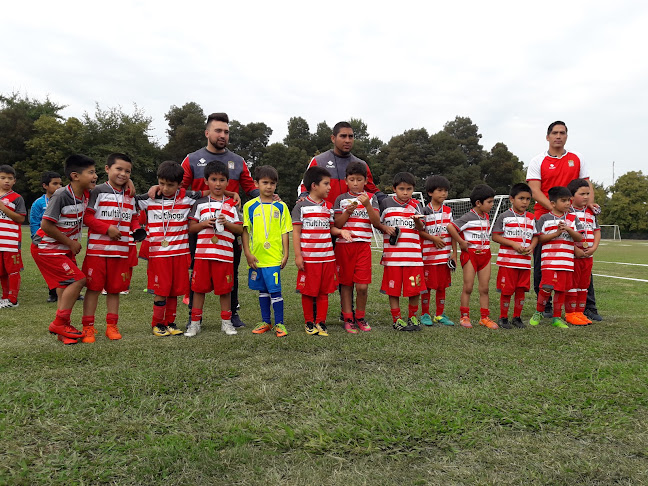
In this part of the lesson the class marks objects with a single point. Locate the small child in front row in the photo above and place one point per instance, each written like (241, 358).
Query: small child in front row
(402, 219)
(439, 250)
(515, 232)
(358, 212)
(557, 230)
(583, 252)
(313, 246)
(266, 224)
(471, 231)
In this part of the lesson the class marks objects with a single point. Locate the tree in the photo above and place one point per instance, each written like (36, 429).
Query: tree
(628, 206)
(299, 135)
(467, 135)
(186, 131)
(249, 141)
(500, 169)
(409, 152)
(322, 138)
(290, 163)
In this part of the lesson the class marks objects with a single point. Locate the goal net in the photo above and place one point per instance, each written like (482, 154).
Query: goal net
(610, 232)
(462, 206)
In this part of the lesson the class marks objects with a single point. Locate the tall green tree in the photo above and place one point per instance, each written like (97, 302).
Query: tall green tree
(249, 141)
(322, 138)
(500, 169)
(410, 152)
(628, 206)
(299, 135)
(186, 131)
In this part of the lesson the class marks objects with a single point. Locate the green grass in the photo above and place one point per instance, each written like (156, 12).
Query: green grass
(444, 406)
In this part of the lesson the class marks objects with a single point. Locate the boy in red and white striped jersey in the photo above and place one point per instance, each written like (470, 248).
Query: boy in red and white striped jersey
(358, 212)
(12, 215)
(583, 252)
(56, 243)
(515, 231)
(314, 256)
(438, 249)
(472, 233)
(557, 232)
(402, 219)
(215, 219)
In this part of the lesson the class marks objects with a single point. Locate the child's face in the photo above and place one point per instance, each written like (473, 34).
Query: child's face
(404, 191)
(87, 178)
(168, 188)
(582, 197)
(6, 181)
(438, 195)
(561, 205)
(217, 183)
(119, 173)
(521, 201)
(266, 186)
(356, 183)
(322, 189)
(53, 185)
(486, 205)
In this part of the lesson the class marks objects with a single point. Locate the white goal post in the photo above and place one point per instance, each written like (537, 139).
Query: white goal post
(610, 232)
(462, 206)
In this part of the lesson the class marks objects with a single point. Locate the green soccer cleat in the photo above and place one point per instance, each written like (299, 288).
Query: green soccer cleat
(414, 323)
(443, 319)
(559, 323)
(536, 318)
(426, 320)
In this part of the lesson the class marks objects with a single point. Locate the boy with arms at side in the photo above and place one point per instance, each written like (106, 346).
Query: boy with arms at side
(515, 232)
(438, 249)
(215, 219)
(56, 244)
(402, 220)
(583, 252)
(471, 231)
(356, 211)
(314, 256)
(12, 215)
(557, 232)
(266, 224)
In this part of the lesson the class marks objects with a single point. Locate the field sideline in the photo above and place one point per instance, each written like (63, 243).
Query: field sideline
(443, 406)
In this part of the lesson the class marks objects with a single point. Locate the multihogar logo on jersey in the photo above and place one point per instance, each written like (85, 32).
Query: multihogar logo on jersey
(330, 164)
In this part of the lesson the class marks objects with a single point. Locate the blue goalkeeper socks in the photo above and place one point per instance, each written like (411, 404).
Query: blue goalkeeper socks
(278, 307)
(264, 304)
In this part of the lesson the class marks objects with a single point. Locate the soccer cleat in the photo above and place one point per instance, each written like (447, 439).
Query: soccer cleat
(321, 329)
(66, 340)
(173, 329)
(584, 317)
(593, 315)
(503, 322)
(401, 325)
(443, 319)
(349, 326)
(236, 321)
(464, 321)
(88, 334)
(311, 329)
(488, 322)
(280, 330)
(575, 319)
(426, 320)
(192, 329)
(124, 292)
(559, 323)
(517, 322)
(112, 332)
(536, 318)
(227, 327)
(414, 323)
(7, 304)
(65, 330)
(160, 330)
(362, 325)
(261, 327)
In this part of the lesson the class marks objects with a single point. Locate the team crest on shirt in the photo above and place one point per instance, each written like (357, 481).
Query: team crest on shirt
(329, 163)
(66, 267)
(392, 284)
(570, 163)
(253, 276)
(551, 166)
(230, 164)
(202, 163)
(275, 214)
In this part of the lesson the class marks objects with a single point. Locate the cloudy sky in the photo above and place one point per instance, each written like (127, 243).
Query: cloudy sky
(512, 67)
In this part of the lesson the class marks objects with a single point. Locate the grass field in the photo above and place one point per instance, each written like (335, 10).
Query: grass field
(444, 406)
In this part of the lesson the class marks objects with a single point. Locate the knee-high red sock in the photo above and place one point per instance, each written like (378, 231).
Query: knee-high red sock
(505, 303)
(519, 302)
(4, 282)
(543, 298)
(395, 314)
(581, 301)
(159, 309)
(559, 300)
(171, 309)
(440, 301)
(307, 307)
(14, 287)
(322, 307)
(425, 302)
(570, 301)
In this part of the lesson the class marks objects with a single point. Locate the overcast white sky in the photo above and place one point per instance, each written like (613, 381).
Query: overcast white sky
(512, 67)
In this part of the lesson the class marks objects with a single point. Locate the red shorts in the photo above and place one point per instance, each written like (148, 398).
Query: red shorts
(558, 280)
(353, 262)
(59, 271)
(409, 279)
(213, 275)
(509, 279)
(479, 260)
(144, 250)
(10, 262)
(132, 256)
(582, 273)
(169, 276)
(437, 277)
(111, 274)
(318, 279)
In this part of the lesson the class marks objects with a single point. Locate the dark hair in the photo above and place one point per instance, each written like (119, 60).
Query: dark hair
(77, 163)
(170, 171)
(576, 184)
(7, 169)
(48, 175)
(339, 125)
(314, 175)
(518, 188)
(558, 192)
(557, 122)
(480, 193)
(114, 157)
(405, 177)
(215, 167)
(221, 117)
(436, 182)
(356, 168)
(266, 172)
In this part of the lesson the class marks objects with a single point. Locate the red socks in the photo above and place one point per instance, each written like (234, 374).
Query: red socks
(322, 307)
(484, 313)
(307, 307)
(440, 301)
(581, 301)
(171, 308)
(88, 321)
(196, 315)
(519, 302)
(159, 309)
(347, 316)
(559, 299)
(425, 303)
(360, 314)
(226, 315)
(464, 311)
(543, 298)
(395, 314)
(112, 319)
(10, 286)
(62, 317)
(505, 303)
(412, 310)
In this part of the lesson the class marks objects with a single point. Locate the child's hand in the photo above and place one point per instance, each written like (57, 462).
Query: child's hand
(389, 230)
(209, 223)
(579, 253)
(526, 250)
(252, 261)
(75, 247)
(518, 248)
(284, 260)
(299, 261)
(463, 244)
(237, 199)
(351, 207)
(438, 242)
(2, 206)
(364, 199)
(562, 225)
(346, 234)
(589, 251)
(113, 232)
(416, 216)
(221, 219)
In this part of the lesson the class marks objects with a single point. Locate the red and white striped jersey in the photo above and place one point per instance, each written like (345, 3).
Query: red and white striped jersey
(168, 222)
(588, 219)
(558, 254)
(474, 229)
(315, 220)
(358, 223)
(519, 228)
(407, 251)
(110, 207)
(66, 211)
(10, 233)
(436, 224)
(209, 208)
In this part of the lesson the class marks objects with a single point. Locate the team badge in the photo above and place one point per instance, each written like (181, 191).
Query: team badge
(391, 284)
(230, 164)
(228, 278)
(275, 214)
(253, 276)
(201, 162)
(66, 267)
(570, 163)
(329, 163)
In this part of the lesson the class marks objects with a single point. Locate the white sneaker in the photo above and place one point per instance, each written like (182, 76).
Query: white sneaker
(228, 328)
(192, 329)
(7, 304)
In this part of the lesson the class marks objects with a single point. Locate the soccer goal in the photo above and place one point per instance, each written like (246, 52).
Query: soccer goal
(461, 206)
(610, 232)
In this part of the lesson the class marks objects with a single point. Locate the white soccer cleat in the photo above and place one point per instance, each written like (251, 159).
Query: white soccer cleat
(192, 329)
(228, 328)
